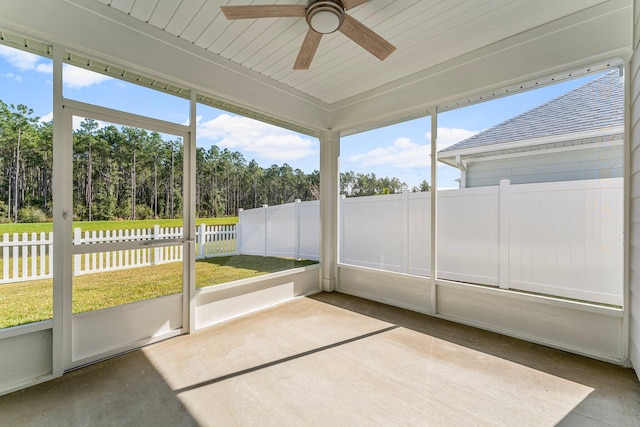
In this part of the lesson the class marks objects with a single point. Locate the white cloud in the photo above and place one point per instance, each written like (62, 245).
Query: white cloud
(13, 76)
(44, 68)
(77, 78)
(259, 139)
(402, 153)
(74, 77)
(18, 58)
(46, 118)
(449, 136)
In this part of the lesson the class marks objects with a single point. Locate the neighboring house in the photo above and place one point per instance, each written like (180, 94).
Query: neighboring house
(578, 135)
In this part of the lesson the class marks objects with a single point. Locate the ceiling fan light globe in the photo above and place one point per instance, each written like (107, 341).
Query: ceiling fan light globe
(325, 17)
(324, 22)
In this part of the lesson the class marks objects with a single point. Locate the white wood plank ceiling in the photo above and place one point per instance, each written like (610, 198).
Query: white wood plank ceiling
(425, 32)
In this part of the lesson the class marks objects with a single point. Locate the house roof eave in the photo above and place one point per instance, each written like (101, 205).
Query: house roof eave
(448, 157)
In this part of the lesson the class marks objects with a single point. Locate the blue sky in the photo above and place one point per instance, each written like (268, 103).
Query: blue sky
(401, 150)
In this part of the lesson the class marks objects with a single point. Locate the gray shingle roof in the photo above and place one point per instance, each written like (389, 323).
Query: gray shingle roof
(595, 105)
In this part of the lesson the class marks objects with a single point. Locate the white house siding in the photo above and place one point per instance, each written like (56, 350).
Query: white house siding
(634, 267)
(587, 163)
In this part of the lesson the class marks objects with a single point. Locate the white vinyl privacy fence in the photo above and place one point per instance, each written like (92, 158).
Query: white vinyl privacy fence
(561, 238)
(291, 230)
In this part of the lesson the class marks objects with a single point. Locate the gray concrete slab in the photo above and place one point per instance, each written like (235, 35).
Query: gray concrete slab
(334, 360)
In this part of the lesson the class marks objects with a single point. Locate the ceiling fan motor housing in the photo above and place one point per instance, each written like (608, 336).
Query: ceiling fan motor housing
(325, 16)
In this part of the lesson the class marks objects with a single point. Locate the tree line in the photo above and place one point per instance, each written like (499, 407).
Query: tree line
(131, 173)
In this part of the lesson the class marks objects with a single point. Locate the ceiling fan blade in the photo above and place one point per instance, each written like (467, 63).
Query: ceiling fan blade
(350, 4)
(263, 11)
(308, 50)
(365, 37)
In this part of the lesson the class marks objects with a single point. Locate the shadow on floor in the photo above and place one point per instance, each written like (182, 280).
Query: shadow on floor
(126, 390)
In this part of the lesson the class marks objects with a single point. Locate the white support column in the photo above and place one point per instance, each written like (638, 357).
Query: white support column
(329, 193)
(189, 223)
(434, 210)
(629, 86)
(62, 221)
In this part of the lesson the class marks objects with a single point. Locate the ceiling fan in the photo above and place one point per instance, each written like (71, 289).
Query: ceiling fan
(323, 17)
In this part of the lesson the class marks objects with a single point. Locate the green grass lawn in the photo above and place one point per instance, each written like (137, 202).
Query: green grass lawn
(27, 302)
(111, 225)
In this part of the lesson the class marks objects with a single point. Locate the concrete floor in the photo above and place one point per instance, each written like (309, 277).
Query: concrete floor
(335, 360)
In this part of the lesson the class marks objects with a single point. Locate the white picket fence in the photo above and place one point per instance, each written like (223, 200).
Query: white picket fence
(27, 256)
(216, 240)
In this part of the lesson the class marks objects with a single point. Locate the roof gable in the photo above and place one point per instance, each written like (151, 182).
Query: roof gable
(596, 105)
